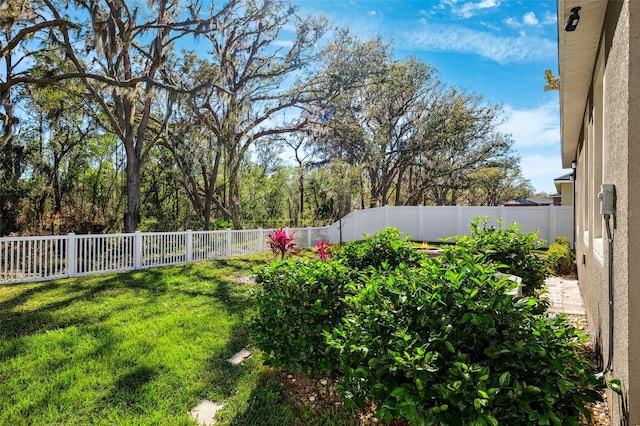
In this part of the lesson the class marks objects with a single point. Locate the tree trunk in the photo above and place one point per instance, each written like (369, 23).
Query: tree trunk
(132, 215)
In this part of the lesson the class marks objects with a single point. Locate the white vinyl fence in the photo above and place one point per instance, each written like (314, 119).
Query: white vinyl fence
(433, 223)
(45, 258)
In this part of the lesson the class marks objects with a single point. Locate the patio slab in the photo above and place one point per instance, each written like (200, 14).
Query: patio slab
(205, 412)
(564, 296)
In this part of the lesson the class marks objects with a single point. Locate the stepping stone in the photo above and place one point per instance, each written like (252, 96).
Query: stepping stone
(239, 357)
(205, 412)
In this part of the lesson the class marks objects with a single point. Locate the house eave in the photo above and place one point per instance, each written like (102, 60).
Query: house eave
(577, 52)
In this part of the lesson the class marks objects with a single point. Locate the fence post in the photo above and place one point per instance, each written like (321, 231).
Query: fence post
(137, 250)
(71, 255)
(386, 216)
(308, 236)
(419, 215)
(355, 222)
(261, 240)
(459, 220)
(229, 250)
(551, 229)
(189, 245)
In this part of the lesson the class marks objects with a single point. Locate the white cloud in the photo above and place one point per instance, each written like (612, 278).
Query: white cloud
(532, 20)
(468, 10)
(283, 43)
(512, 22)
(541, 170)
(549, 18)
(372, 13)
(503, 50)
(539, 126)
(529, 18)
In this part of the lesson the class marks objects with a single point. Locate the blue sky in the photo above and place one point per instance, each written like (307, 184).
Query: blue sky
(496, 48)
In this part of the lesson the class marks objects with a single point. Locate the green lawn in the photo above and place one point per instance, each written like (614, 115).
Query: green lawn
(139, 348)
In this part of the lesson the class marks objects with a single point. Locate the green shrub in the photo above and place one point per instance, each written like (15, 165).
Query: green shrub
(386, 246)
(299, 301)
(512, 251)
(561, 257)
(449, 345)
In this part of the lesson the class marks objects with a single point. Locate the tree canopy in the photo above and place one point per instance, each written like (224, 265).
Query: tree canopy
(175, 114)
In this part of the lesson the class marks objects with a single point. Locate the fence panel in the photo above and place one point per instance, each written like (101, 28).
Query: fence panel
(436, 222)
(163, 248)
(103, 253)
(244, 242)
(208, 245)
(439, 222)
(32, 258)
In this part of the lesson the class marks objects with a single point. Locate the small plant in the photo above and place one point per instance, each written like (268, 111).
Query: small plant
(447, 344)
(298, 302)
(512, 252)
(562, 259)
(384, 247)
(282, 243)
(324, 249)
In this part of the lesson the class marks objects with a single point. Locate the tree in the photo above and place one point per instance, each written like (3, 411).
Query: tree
(253, 92)
(128, 75)
(493, 186)
(463, 140)
(20, 24)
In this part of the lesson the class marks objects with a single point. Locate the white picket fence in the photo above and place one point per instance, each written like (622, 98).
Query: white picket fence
(44, 258)
(433, 223)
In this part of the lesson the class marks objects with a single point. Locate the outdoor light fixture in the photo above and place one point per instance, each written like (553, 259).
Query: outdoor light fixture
(572, 22)
(574, 164)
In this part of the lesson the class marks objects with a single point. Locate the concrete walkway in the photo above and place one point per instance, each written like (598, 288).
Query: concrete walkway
(564, 295)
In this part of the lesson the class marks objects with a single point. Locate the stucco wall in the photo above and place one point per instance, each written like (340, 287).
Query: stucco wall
(633, 212)
(621, 167)
(566, 192)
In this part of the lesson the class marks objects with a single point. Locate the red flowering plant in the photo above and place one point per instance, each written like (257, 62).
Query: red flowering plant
(281, 243)
(324, 249)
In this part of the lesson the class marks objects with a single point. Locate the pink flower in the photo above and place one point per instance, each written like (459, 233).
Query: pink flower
(281, 242)
(323, 249)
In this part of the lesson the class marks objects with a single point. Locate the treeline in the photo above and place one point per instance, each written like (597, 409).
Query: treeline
(167, 115)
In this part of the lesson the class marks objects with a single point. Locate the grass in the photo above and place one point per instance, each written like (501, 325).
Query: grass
(139, 348)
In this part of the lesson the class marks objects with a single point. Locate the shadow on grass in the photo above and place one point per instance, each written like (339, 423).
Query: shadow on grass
(128, 388)
(50, 299)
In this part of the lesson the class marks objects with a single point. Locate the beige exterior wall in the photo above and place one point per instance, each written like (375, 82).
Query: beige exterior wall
(566, 192)
(609, 152)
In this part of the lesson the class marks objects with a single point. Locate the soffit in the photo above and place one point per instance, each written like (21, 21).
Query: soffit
(577, 52)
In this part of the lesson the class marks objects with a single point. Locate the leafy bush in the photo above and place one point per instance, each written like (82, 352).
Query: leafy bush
(297, 303)
(512, 251)
(386, 246)
(561, 257)
(449, 345)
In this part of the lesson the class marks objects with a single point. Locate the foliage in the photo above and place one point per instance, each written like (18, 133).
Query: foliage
(512, 251)
(447, 344)
(282, 243)
(384, 247)
(297, 303)
(561, 257)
